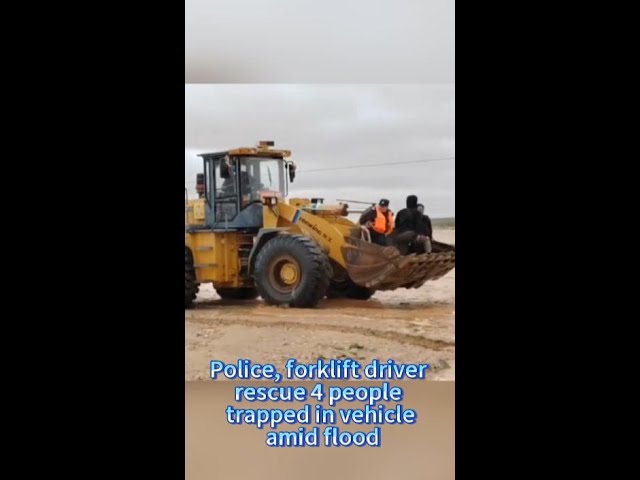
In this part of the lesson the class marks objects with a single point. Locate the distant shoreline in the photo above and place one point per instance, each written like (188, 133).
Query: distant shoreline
(449, 222)
(442, 222)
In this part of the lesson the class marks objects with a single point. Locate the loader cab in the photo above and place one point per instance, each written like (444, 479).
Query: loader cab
(235, 183)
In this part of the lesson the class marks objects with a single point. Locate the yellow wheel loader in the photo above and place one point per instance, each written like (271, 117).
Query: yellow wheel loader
(246, 238)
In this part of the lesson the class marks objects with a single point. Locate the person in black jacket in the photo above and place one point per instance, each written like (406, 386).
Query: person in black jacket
(407, 218)
(411, 229)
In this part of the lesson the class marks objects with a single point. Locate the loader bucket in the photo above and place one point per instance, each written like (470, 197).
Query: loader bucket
(384, 268)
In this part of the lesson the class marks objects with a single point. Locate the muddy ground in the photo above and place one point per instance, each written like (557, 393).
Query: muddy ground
(416, 326)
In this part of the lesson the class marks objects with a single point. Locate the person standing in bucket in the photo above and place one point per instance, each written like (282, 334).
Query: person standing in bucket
(380, 222)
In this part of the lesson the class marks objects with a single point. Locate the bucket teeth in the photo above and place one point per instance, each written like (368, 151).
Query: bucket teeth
(383, 268)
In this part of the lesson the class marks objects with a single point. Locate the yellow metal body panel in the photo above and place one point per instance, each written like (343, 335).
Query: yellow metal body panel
(199, 211)
(194, 212)
(328, 231)
(259, 152)
(335, 215)
(299, 202)
(270, 216)
(216, 256)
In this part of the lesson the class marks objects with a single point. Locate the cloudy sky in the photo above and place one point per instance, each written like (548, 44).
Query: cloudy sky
(310, 41)
(333, 127)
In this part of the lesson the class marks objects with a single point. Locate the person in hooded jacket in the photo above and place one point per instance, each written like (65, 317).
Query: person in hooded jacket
(412, 232)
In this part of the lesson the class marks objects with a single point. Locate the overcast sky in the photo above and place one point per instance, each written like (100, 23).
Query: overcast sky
(303, 41)
(334, 126)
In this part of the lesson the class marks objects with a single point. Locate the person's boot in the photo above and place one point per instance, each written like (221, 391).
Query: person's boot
(427, 245)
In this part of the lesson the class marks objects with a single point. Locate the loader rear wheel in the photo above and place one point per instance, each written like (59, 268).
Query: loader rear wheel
(191, 286)
(292, 270)
(250, 293)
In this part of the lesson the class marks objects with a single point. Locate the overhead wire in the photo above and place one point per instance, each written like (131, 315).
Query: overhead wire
(366, 165)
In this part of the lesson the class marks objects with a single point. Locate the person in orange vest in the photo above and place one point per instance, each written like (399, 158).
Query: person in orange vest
(380, 222)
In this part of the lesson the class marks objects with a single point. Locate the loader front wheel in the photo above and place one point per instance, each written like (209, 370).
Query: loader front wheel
(292, 270)
(342, 286)
(191, 286)
(248, 293)
(348, 289)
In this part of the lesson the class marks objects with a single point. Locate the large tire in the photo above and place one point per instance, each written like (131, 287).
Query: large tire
(190, 282)
(292, 270)
(342, 286)
(348, 289)
(249, 293)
